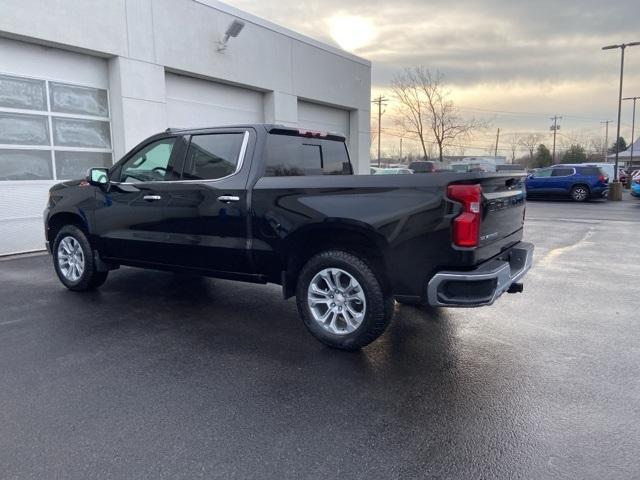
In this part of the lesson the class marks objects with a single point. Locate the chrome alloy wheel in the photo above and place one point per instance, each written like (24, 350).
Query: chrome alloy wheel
(336, 301)
(580, 194)
(70, 259)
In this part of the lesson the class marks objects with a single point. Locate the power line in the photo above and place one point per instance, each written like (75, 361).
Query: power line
(417, 140)
(522, 113)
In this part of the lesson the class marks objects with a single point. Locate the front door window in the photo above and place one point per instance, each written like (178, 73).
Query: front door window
(151, 164)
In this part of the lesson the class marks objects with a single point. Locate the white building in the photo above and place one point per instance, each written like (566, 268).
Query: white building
(81, 82)
(625, 158)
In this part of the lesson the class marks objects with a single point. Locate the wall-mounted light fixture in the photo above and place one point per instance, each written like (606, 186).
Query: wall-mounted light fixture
(232, 31)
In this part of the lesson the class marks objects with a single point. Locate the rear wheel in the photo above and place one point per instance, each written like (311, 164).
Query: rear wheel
(74, 262)
(341, 300)
(580, 193)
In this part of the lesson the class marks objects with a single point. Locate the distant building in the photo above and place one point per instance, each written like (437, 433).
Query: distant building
(625, 159)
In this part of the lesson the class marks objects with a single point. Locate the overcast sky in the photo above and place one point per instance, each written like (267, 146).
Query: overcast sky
(531, 58)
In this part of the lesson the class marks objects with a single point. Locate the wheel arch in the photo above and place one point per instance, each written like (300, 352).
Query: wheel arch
(60, 219)
(310, 240)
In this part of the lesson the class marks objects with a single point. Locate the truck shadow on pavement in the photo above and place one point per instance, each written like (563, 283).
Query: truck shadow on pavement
(252, 323)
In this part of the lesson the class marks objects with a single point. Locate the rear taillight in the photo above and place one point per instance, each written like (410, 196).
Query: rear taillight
(466, 226)
(603, 179)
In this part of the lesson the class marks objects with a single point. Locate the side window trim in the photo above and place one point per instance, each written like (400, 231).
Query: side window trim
(186, 140)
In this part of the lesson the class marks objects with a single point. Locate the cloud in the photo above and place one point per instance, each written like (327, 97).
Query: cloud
(538, 55)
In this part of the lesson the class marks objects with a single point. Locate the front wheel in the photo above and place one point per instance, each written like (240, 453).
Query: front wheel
(580, 193)
(341, 300)
(74, 262)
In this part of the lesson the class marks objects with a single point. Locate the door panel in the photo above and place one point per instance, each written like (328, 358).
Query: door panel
(561, 180)
(130, 222)
(538, 184)
(204, 231)
(129, 217)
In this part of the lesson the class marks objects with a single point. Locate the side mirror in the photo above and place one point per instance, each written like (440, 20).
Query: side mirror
(98, 176)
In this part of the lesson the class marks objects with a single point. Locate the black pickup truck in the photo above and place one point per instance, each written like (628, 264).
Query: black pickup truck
(267, 203)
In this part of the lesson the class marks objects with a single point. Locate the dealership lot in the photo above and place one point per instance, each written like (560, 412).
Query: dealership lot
(161, 376)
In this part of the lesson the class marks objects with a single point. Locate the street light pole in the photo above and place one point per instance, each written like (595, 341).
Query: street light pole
(615, 193)
(633, 124)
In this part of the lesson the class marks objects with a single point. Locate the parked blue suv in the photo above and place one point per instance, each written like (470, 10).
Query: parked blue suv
(580, 183)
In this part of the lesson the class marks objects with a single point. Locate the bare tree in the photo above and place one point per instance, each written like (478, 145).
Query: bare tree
(596, 145)
(426, 110)
(514, 145)
(530, 141)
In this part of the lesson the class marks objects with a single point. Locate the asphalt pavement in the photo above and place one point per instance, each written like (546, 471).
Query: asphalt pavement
(164, 376)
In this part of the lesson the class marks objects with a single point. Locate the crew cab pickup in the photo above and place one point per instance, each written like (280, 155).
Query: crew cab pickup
(267, 203)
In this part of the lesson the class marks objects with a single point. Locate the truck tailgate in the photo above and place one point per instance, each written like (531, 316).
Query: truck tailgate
(502, 209)
(503, 205)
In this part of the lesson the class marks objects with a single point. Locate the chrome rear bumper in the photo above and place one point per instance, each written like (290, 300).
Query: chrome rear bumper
(482, 285)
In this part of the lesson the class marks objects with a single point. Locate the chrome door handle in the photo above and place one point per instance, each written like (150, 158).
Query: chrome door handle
(228, 198)
(152, 197)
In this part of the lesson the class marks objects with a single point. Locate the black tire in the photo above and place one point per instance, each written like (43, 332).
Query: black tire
(90, 278)
(379, 305)
(580, 193)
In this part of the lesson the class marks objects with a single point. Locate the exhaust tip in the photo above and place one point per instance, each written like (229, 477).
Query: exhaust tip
(515, 288)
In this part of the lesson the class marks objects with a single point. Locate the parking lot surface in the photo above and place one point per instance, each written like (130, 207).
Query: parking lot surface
(163, 376)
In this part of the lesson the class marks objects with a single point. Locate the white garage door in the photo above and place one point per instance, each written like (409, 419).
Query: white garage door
(325, 119)
(54, 125)
(192, 102)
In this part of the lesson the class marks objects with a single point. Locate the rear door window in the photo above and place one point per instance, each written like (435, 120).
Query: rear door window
(212, 156)
(562, 172)
(288, 155)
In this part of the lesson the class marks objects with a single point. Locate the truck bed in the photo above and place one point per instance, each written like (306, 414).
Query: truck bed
(408, 216)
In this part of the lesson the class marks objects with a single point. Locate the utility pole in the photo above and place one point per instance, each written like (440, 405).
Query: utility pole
(555, 127)
(401, 149)
(379, 101)
(497, 140)
(606, 138)
(615, 191)
(633, 126)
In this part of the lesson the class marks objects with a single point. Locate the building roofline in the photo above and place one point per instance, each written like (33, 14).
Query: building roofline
(261, 22)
